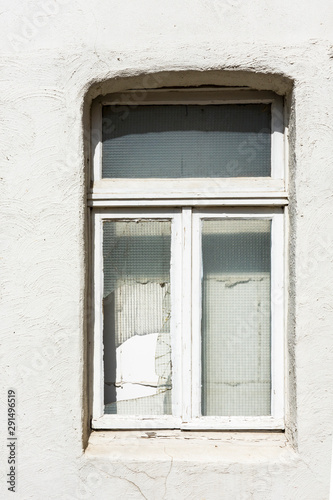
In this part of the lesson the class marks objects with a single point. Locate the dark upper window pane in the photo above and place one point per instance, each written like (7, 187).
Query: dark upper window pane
(182, 141)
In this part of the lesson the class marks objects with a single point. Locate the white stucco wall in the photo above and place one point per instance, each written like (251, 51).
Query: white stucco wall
(55, 56)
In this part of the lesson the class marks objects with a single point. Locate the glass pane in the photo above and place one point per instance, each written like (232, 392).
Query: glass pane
(229, 140)
(236, 368)
(137, 348)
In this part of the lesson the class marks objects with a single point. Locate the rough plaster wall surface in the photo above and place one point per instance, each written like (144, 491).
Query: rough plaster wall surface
(52, 53)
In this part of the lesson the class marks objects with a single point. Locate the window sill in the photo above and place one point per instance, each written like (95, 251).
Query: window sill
(195, 446)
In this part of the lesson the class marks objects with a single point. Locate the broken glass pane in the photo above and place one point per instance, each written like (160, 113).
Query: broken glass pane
(136, 304)
(236, 321)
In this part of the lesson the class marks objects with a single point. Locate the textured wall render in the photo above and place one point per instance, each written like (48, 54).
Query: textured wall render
(56, 56)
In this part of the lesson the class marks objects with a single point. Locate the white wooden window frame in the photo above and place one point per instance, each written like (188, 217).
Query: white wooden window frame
(101, 420)
(260, 191)
(186, 202)
(275, 420)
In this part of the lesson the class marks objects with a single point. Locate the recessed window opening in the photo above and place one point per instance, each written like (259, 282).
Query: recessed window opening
(187, 201)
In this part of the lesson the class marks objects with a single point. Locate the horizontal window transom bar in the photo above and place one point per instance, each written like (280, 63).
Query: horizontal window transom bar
(245, 201)
(209, 188)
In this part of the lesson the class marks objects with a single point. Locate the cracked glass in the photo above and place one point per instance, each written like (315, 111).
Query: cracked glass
(236, 317)
(137, 310)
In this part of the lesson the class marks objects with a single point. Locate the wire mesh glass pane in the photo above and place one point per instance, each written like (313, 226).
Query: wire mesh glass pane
(136, 306)
(236, 322)
(229, 140)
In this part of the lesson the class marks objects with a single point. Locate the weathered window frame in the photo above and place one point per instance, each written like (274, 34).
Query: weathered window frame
(185, 202)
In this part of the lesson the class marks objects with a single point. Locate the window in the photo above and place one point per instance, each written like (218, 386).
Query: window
(188, 198)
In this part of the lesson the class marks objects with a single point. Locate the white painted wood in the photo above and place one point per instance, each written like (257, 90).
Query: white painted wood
(237, 212)
(286, 149)
(187, 188)
(255, 202)
(96, 141)
(130, 213)
(98, 381)
(192, 96)
(277, 316)
(234, 423)
(186, 323)
(203, 423)
(278, 138)
(286, 280)
(119, 421)
(176, 312)
(136, 422)
(196, 315)
(275, 202)
(134, 199)
(186, 313)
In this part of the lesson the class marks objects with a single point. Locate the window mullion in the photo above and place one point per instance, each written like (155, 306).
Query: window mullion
(196, 314)
(186, 312)
(176, 314)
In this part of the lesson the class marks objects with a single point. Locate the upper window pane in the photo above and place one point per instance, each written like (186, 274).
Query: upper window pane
(183, 141)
